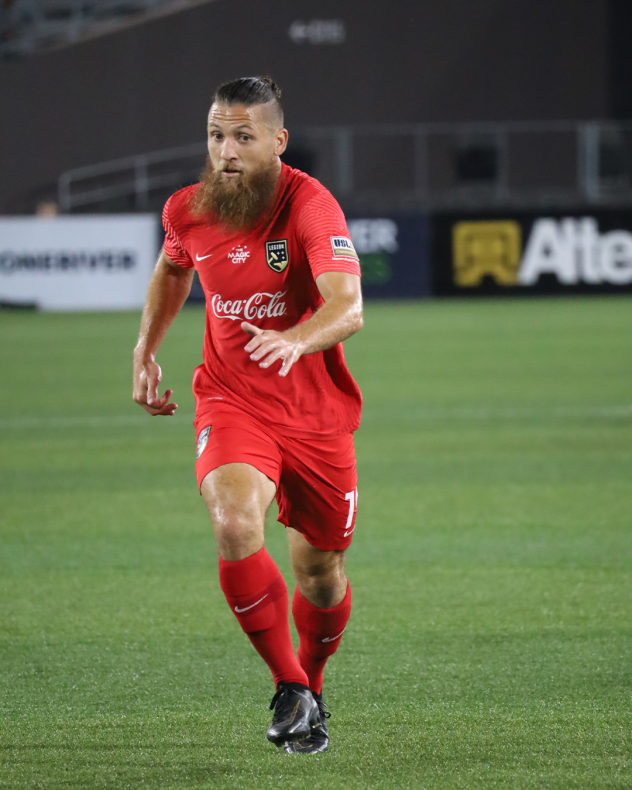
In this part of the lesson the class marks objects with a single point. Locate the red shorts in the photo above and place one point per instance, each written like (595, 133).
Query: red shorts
(316, 479)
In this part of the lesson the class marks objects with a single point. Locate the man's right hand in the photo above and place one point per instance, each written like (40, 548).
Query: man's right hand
(147, 376)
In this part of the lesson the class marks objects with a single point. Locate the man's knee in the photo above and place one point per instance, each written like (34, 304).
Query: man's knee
(237, 497)
(322, 580)
(238, 533)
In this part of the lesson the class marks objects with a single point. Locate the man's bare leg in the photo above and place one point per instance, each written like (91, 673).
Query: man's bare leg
(321, 608)
(237, 497)
(320, 575)
(321, 604)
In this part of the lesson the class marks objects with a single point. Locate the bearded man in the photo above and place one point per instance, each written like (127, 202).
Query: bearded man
(276, 407)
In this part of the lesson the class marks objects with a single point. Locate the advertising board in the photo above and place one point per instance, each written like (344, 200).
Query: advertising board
(77, 263)
(393, 252)
(532, 252)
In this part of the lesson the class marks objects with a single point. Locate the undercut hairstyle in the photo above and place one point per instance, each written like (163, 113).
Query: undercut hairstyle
(249, 91)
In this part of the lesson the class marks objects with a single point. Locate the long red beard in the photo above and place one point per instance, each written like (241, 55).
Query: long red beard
(236, 206)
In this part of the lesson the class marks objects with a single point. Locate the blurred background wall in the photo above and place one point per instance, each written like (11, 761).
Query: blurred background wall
(148, 86)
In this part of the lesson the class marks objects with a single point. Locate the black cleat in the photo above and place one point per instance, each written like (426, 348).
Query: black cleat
(318, 739)
(295, 713)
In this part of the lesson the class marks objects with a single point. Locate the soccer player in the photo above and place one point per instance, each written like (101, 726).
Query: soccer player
(276, 406)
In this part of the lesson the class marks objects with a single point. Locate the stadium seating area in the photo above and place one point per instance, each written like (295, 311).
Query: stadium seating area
(30, 25)
(437, 166)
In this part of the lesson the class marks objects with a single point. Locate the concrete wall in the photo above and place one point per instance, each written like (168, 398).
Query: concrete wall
(149, 86)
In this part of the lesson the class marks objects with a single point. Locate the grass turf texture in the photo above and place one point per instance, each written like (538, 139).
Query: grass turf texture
(490, 639)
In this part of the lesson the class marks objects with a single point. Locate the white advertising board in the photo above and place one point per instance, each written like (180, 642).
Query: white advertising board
(77, 263)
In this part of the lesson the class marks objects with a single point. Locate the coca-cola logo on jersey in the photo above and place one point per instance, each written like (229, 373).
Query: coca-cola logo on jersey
(261, 305)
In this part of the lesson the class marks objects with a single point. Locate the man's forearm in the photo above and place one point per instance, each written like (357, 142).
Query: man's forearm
(167, 292)
(336, 320)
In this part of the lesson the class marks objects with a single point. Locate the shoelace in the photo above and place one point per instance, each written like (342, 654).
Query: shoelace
(322, 707)
(276, 698)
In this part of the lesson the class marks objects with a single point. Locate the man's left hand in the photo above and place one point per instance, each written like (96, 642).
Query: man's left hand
(269, 346)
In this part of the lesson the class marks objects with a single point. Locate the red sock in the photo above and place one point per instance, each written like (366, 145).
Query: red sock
(319, 631)
(257, 595)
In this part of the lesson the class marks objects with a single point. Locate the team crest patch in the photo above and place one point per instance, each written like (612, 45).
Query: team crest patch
(342, 247)
(277, 256)
(201, 441)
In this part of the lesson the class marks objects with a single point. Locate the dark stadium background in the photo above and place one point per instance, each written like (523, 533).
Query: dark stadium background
(147, 86)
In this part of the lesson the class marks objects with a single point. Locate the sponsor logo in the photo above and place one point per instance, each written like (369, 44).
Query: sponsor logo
(373, 235)
(572, 249)
(66, 260)
(260, 305)
(277, 256)
(375, 241)
(239, 254)
(575, 251)
(333, 638)
(252, 605)
(202, 257)
(202, 441)
(342, 247)
(486, 248)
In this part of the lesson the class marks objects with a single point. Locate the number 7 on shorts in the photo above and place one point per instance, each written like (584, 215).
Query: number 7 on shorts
(352, 498)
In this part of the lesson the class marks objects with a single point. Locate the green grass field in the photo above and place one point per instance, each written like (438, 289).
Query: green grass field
(490, 642)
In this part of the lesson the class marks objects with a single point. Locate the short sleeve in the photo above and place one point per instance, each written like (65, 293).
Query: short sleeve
(322, 230)
(173, 246)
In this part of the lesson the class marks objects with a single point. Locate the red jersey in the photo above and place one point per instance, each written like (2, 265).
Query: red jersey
(266, 276)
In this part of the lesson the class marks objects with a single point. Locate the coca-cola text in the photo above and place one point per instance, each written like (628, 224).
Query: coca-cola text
(261, 305)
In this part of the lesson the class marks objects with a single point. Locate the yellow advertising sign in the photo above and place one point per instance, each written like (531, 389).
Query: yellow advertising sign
(491, 248)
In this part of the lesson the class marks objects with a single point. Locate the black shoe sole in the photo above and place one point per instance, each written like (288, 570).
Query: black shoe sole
(282, 739)
(306, 748)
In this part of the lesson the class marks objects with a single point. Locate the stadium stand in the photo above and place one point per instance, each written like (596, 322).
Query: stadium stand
(400, 165)
(30, 25)
(388, 116)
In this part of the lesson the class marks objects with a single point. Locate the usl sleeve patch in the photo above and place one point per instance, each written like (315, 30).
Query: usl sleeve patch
(342, 247)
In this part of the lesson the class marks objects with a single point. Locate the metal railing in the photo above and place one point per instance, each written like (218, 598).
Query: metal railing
(29, 25)
(133, 176)
(428, 164)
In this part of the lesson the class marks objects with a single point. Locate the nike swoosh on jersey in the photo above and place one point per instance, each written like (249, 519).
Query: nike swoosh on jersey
(333, 638)
(202, 257)
(245, 609)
